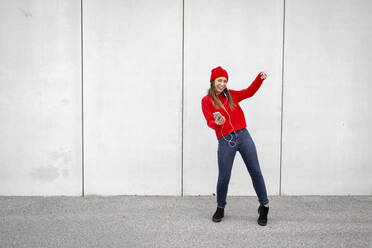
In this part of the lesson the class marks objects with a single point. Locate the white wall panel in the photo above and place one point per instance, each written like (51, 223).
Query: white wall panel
(327, 135)
(132, 96)
(40, 98)
(244, 37)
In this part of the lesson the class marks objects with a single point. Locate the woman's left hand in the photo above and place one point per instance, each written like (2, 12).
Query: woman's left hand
(263, 75)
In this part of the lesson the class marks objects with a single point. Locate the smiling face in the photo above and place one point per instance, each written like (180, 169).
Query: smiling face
(220, 84)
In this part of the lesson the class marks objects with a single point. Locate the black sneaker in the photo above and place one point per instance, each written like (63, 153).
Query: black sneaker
(218, 215)
(263, 211)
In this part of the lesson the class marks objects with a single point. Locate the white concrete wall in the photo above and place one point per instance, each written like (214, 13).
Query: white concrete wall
(40, 98)
(132, 97)
(137, 84)
(244, 37)
(327, 135)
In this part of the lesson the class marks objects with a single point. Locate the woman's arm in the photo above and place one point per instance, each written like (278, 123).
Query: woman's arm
(251, 90)
(208, 113)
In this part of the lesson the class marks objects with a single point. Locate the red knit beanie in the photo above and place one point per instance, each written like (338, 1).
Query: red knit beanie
(218, 72)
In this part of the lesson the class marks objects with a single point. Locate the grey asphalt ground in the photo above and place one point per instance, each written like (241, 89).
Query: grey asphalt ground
(174, 221)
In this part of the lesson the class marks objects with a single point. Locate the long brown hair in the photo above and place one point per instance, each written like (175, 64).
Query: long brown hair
(217, 103)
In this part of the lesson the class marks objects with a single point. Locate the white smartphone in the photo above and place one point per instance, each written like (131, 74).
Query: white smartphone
(216, 114)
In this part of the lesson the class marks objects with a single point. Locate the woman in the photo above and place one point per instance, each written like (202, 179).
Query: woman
(223, 114)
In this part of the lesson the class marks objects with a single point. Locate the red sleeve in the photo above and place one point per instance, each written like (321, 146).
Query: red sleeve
(208, 112)
(249, 92)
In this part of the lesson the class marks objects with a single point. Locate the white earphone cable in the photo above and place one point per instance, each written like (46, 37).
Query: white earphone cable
(233, 128)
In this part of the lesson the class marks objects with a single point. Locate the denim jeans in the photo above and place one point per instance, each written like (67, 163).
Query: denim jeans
(227, 146)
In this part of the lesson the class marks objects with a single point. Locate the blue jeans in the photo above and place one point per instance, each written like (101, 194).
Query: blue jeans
(227, 146)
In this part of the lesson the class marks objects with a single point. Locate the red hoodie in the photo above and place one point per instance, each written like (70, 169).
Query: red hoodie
(235, 120)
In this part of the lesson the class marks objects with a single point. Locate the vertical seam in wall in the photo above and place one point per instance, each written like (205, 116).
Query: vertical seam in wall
(281, 109)
(183, 31)
(82, 99)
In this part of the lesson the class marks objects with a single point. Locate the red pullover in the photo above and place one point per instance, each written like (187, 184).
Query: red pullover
(235, 120)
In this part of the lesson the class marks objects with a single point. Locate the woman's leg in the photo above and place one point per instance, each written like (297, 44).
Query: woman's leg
(248, 152)
(226, 155)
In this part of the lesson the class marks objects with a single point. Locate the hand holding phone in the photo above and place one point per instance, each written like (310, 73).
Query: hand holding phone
(219, 119)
